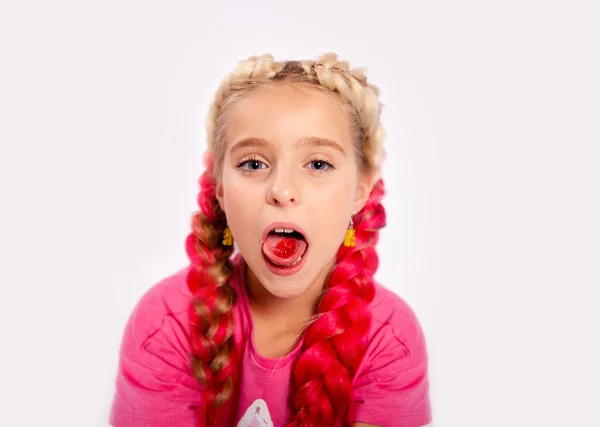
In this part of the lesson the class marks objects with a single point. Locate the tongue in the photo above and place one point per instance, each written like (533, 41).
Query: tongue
(283, 250)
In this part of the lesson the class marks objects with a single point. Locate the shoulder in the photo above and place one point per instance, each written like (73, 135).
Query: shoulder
(396, 338)
(154, 383)
(391, 312)
(391, 385)
(157, 331)
(166, 300)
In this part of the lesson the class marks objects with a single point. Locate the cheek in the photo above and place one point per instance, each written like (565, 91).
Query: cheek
(336, 196)
(334, 204)
(240, 208)
(240, 198)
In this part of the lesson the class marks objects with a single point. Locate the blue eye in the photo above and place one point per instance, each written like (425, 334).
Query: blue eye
(321, 165)
(250, 165)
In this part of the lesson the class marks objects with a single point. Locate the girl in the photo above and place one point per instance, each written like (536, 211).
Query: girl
(289, 324)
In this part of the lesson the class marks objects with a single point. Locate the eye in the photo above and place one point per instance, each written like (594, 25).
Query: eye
(321, 165)
(250, 165)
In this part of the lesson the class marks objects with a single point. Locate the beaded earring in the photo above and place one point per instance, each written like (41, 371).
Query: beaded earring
(350, 238)
(227, 237)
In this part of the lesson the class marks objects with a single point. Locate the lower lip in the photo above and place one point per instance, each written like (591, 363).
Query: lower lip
(286, 271)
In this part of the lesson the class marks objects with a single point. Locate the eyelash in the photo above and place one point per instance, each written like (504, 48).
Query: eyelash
(240, 165)
(329, 167)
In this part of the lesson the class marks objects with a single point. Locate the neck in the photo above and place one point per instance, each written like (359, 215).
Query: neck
(291, 312)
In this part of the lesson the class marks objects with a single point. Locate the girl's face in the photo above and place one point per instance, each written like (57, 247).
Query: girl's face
(289, 158)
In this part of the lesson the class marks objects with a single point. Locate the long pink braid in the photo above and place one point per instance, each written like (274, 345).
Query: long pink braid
(336, 342)
(214, 354)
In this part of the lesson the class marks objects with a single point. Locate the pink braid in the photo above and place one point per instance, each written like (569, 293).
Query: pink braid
(213, 352)
(336, 342)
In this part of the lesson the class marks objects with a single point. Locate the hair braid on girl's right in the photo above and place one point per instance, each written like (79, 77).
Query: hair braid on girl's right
(213, 351)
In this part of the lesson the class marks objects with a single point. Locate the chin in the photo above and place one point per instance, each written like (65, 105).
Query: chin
(285, 289)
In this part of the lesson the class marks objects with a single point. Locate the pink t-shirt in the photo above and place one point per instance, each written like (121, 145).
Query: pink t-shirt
(155, 386)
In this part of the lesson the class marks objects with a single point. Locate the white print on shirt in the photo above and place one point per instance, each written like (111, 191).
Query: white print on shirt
(257, 415)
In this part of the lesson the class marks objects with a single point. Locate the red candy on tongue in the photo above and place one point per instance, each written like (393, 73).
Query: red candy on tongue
(285, 248)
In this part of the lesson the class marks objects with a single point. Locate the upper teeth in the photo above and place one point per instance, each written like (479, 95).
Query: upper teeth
(283, 230)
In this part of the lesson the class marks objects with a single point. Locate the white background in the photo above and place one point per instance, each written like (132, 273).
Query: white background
(491, 113)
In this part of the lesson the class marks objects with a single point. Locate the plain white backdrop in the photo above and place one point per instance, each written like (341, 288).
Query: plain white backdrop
(492, 118)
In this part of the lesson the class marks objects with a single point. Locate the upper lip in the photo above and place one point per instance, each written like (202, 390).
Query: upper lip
(278, 224)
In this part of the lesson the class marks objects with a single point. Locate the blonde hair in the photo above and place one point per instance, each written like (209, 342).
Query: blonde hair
(327, 74)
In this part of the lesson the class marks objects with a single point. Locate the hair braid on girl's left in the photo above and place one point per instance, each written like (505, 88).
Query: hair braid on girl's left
(335, 343)
(213, 352)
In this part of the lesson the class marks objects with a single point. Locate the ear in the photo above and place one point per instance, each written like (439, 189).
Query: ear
(363, 190)
(209, 159)
(219, 195)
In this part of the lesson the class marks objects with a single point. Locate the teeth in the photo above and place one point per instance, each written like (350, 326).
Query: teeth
(283, 230)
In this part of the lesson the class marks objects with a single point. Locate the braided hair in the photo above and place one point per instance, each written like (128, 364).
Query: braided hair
(335, 342)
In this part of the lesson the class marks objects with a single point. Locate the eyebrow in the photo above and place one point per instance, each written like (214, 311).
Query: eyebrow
(307, 141)
(312, 141)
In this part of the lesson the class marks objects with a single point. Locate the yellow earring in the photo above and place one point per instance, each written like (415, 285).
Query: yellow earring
(350, 238)
(227, 237)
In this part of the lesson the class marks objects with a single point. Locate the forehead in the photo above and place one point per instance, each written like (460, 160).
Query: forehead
(286, 113)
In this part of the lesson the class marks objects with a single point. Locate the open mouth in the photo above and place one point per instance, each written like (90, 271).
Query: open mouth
(284, 248)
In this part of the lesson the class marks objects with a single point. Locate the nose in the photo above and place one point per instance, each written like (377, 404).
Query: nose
(282, 191)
